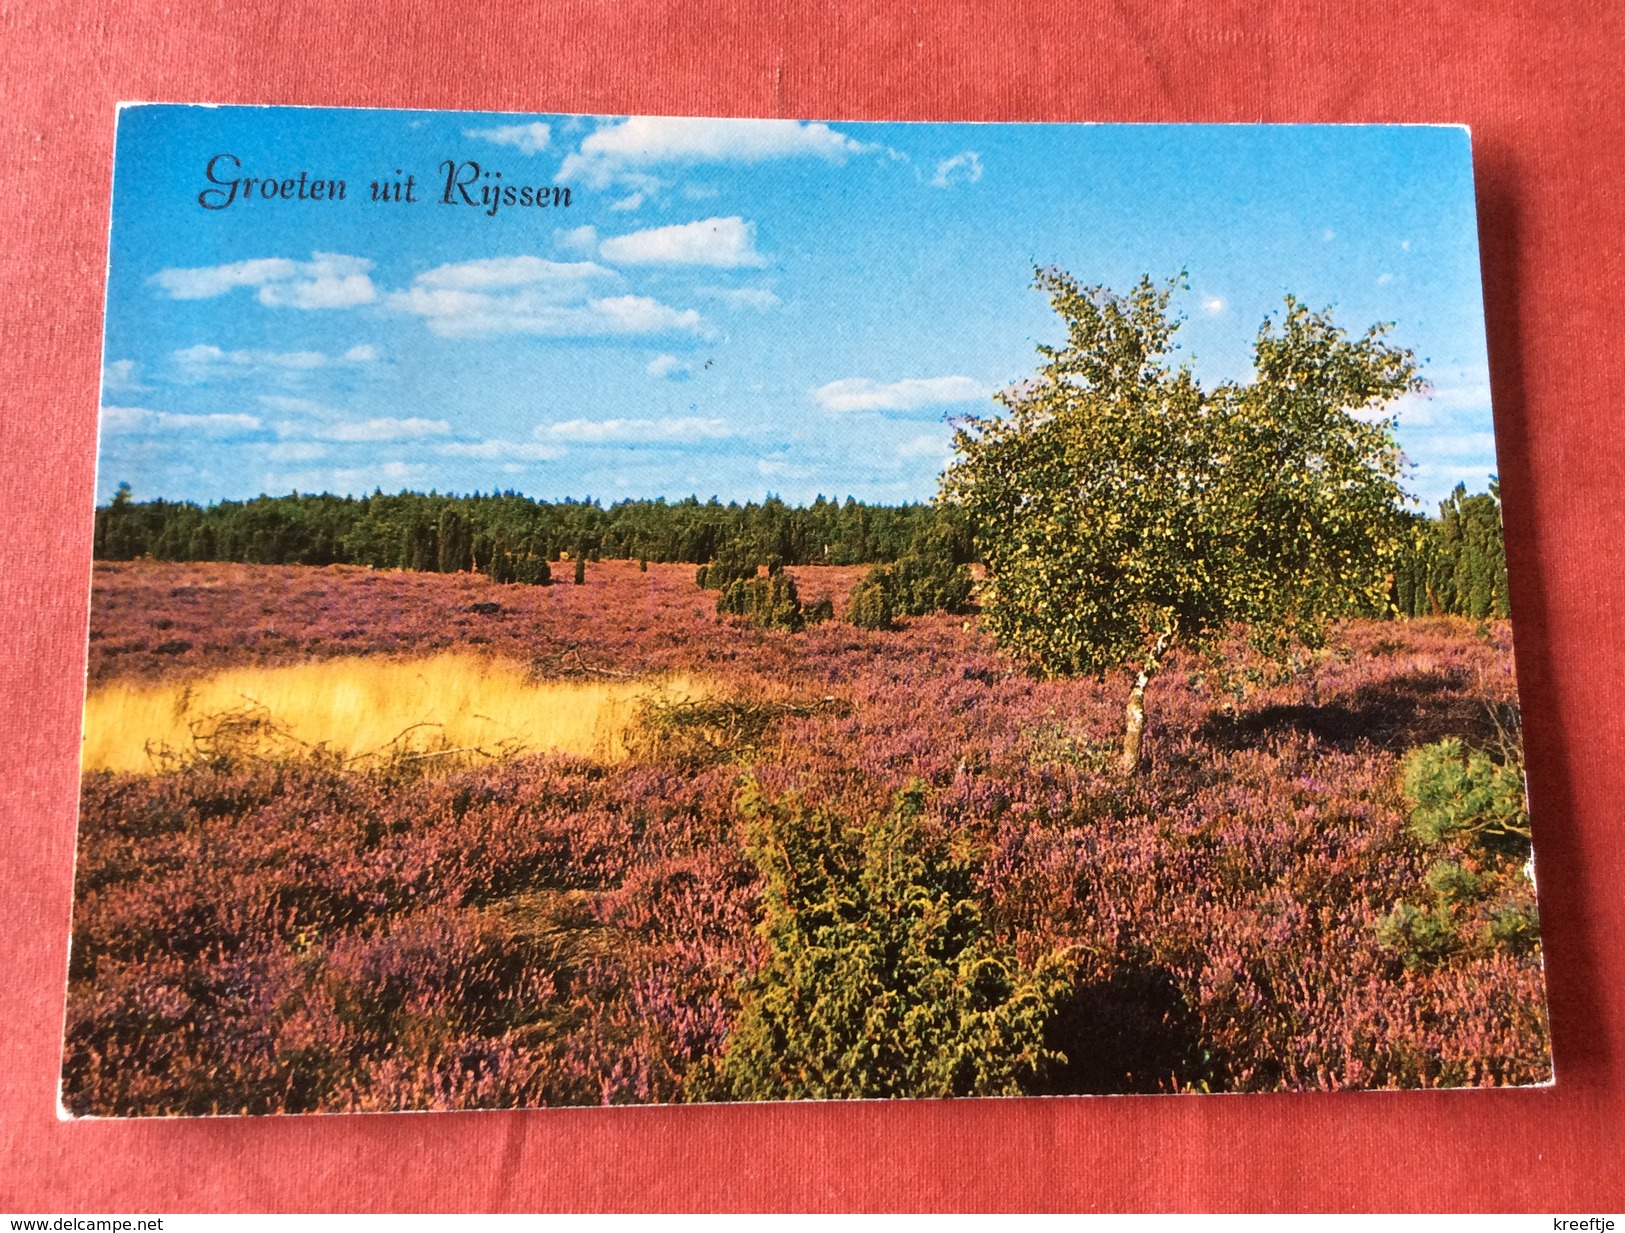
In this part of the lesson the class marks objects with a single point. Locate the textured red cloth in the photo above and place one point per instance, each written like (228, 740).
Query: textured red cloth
(1544, 99)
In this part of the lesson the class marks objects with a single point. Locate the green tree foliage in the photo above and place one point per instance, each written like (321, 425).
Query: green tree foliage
(432, 531)
(882, 976)
(1122, 510)
(454, 541)
(770, 603)
(1464, 794)
(1456, 564)
(1471, 810)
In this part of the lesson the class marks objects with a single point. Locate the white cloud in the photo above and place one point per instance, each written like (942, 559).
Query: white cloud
(1433, 481)
(206, 282)
(1384, 279)
(327, 280)
(925, 447)
(204, 359)
(470, 316)
(630, 202)
(1328, 235)
(379, 428)
(783, 468)
(913, 394)
(497, 450)
(669, 367)
(120, 375)
(526, 138)
(724, 243)
(1456, 398)
(741, 297)
(295, 406)
(296, 451)
(139, 419)
(1474, 394)
(347, 479)
(638, 314)
(1212, 305)
(613, 152)
(597, 432)
(205, 356)
(486, 273)
(530, 295)
(1456, 445)
(583, 239)
(964, 168)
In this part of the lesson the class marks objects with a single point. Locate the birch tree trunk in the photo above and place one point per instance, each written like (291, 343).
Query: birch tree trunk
(1134, 713)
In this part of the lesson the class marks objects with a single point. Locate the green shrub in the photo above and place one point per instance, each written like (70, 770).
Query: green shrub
(1420, 936)
(522, 566)
(1472, 810)
(869, 605)
(1457, 794)
(770, 603)
(882, 977)
(732, 565)
(820, 610)
(925, 579)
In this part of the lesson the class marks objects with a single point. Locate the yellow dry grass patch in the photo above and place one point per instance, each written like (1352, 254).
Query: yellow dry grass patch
(369, 711)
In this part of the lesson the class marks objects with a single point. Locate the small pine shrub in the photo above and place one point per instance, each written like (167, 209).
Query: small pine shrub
(777, 606)
(925, 579)
(532, 570)
(1473, 811)
(736, 599)
(882, 977)
(820, 610)
(732, 565)
(1457, 794)
(581, 571)
(526, 567)
(869, 606)
(770, 603)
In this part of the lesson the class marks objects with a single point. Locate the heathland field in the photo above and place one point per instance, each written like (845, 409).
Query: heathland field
(355, 839)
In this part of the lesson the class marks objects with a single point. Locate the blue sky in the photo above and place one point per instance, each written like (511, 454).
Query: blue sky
(725, 307)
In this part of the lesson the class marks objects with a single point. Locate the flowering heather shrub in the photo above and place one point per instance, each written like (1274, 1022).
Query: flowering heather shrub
(302, 938)
(621, 618)
(549, 930)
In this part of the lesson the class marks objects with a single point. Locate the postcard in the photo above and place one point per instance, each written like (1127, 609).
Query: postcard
(617, 610)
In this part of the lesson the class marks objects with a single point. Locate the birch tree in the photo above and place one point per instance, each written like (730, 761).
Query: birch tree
(1123, 511)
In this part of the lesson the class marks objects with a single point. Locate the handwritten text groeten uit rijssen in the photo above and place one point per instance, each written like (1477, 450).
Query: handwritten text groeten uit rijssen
(466, 183)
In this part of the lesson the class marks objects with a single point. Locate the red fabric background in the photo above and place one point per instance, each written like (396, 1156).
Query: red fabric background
(1544, 100)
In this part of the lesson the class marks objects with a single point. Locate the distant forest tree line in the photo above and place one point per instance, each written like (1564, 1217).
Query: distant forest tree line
(1452, 564)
